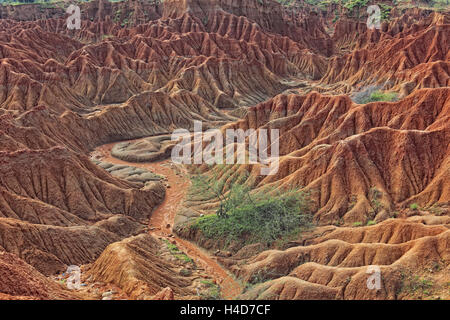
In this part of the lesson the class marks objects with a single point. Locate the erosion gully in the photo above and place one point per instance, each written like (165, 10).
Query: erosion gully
(162, 220)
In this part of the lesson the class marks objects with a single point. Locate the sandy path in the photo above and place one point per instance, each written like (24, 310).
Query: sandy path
(161, 221)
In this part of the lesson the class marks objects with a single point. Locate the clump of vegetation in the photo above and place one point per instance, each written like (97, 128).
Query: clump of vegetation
(414, 206)
(177, 253)
(373, 94)
(213, 292)
(385, 11)
(371, 223)
(354, 6)
(436, 210)
(117, 15)
(252, 218)
(382, 96)
(375, 196)
(357, 224)
(440, 5)
(336, 17)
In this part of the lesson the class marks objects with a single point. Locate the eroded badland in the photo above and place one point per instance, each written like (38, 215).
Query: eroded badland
(86, 177)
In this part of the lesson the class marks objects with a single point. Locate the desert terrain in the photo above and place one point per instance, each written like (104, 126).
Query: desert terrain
(88, 180)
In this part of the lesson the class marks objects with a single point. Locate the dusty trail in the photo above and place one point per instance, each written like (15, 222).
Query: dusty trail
(161, 221)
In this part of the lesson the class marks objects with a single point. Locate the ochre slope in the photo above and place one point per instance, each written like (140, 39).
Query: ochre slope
(360, 162)
(64, 92)
(335, 266)
(135, 265)
(418, 54)
(20, 281)
(58, 208)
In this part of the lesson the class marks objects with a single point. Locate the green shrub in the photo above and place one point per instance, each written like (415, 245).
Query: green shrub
(375, 196)
(381, 96)
(414, 206)
(371, 223)
(336, 18)
(357, 224)
(263, 217)
(385, 11)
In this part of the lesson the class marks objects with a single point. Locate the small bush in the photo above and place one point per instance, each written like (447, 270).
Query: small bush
(371, 223)
(381, 96)
(373, 94)
(183, 257)
(357, 224)
(375, 196)
(256, 218)
(414, 206)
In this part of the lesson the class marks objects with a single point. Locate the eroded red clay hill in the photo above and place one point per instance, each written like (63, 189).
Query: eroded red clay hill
(64, 93)
(341, 152)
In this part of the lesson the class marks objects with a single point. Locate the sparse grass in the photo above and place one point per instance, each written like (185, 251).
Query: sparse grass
(416, 284)
(172, 248)
(375, 196)
(250, 285)
(357, 224)
(184, 258)
(353, 201)
(414, 206)
(208, 283)
(435, 266)
(177, 253)
(436, 210)
(373, 94)
(371, 223)
(213, 293)
(260, 277)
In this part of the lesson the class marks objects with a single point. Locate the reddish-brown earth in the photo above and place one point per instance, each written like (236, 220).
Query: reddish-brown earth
(137, 69)
(21, 281)
(340, 151)
(334, 266)
(162, 219)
